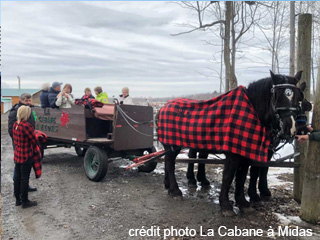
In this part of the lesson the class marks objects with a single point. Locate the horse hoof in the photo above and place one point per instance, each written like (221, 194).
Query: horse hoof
(266, 198)
(265, 193)
(228, 213)
(192, 183)
(205, 183)
(255, 198)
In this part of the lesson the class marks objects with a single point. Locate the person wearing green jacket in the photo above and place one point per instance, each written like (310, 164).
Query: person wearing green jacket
(313, 136)
(100, 95)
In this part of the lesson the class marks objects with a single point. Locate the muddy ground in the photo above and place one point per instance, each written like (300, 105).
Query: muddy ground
(72, 207)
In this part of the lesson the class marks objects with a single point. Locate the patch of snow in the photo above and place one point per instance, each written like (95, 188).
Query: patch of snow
(282, 219)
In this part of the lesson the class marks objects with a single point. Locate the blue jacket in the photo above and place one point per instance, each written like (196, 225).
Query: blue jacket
(44, 99)
(52, 97)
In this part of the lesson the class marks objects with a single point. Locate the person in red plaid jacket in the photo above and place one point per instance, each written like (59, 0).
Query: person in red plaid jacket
(25, 100)
(26, 155)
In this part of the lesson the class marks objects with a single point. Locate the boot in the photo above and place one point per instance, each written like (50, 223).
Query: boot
(28, 204)
(18, 201)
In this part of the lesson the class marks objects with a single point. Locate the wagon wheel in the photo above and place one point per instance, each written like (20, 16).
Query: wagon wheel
(81, 151)
(149, 166)
(95, 164)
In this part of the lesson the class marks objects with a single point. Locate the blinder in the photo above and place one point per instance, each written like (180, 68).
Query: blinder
(283, 112)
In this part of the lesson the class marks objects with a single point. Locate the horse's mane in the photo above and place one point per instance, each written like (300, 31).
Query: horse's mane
(259, 93)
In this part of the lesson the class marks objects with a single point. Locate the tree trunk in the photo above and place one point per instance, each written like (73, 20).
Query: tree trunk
(292, 37)
(227, 45)
(303, 64)
(310, 204)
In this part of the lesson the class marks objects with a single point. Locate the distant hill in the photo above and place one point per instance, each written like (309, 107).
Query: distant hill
(199, 96)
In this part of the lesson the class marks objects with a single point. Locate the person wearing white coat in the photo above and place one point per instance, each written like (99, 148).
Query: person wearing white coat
(65, 99)
(124, 98)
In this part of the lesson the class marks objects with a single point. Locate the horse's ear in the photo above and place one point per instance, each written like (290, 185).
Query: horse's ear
(303, 86)
(273, 78)
(298, 76)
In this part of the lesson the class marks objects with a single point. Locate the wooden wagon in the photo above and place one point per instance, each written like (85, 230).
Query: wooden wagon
(106, 133)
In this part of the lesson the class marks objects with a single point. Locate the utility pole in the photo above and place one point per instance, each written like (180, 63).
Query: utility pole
(19, 82)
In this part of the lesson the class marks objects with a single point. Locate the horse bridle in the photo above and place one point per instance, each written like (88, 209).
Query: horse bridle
(282, 112)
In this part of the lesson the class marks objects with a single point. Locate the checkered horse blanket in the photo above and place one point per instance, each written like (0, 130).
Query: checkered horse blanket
(227, 123)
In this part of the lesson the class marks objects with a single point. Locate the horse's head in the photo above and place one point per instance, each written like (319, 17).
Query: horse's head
(286, 103)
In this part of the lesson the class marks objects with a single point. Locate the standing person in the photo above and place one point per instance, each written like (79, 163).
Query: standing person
(313, 136)
(25, 100)
(124, 98)
(65, 99)
(87, 93)
(100, 95)
(44, 95)
(26, 153)
(53, 94)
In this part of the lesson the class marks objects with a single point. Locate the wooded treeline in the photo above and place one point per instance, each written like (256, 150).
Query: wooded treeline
(235, 25)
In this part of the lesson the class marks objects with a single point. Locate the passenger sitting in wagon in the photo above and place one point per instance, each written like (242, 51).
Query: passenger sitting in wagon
(53, 93)
(44, 95)
(100, 95)
(65, 99)
(124, 98)
(87, 93)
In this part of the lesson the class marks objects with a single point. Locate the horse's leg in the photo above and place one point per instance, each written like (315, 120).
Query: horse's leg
(201, 175)
(252, 190)
(263, 180)
(241, 177)
(170, 160)
(263, 183)
(229, 171)
(190, 173)
(166, 177)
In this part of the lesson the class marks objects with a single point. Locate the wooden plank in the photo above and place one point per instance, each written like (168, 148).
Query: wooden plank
(67, 124)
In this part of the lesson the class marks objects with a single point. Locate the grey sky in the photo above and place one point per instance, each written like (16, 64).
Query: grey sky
(113, 44)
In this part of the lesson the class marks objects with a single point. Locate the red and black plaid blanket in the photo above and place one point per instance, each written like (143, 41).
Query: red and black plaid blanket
(88, 102)
(227, 123)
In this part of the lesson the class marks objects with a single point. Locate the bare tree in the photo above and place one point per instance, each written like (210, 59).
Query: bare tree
(275, 20)
(237, 19)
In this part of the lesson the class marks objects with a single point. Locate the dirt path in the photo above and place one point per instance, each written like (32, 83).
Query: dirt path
(72, 207)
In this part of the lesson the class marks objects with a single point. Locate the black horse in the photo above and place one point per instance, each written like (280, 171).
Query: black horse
(275, 100)
(262, 172)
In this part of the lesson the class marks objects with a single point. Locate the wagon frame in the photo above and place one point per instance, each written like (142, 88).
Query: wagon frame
(99, 135)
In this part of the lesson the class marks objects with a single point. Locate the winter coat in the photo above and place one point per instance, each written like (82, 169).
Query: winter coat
(315, 136)
(44, 99)
(12, 118)
(125, 100)
(65, 102)
(52, 97)
(102, 97)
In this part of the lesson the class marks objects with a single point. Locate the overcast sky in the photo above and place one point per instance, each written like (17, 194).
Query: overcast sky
(113, 44)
